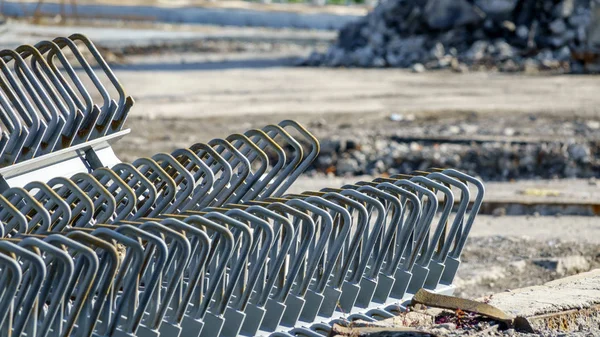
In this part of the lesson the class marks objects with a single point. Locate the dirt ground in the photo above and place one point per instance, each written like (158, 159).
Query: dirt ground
(184, 97)
(501, 251)
(198, 91)
(352, 92)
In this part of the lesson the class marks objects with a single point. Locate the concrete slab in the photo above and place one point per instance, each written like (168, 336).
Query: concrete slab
(562, 304)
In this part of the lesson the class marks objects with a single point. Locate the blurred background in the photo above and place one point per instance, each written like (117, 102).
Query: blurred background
(502, 89)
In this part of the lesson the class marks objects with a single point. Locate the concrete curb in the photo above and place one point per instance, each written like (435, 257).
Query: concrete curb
(191, 15)
(564, 304)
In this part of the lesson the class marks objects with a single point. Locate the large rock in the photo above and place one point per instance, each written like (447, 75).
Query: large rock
(558, 26)
(496, 7)
(564, 8)
(444, 14)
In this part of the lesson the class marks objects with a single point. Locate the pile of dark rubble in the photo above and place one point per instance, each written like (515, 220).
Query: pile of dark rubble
(498, 161)
(504, 35)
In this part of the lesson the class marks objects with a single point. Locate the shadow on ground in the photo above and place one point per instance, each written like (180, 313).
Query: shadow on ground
(212, 65)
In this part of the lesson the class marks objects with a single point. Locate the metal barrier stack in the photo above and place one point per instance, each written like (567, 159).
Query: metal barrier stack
(203, 241)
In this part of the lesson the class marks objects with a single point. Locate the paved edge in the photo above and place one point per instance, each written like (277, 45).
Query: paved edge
(566, 304)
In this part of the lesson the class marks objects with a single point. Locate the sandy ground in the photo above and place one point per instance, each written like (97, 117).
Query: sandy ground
(197, 93)
(179, 103)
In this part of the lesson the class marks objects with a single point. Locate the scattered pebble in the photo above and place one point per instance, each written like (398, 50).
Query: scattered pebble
(489, 160)
(498, 212)
(418, 68)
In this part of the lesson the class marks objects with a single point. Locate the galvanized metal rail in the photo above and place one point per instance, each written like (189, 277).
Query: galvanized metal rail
(203, 241)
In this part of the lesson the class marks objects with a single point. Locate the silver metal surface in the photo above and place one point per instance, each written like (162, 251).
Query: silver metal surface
(202, 241)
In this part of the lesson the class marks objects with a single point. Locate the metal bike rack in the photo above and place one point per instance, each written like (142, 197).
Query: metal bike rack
(202, 241)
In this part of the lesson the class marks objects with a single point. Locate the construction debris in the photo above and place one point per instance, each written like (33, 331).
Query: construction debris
(491, 159)
(568, 304)
(430, 299)
(503, 35)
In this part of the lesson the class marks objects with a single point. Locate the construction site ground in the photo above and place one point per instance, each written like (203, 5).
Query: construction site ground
(198, 83)
(210, 95)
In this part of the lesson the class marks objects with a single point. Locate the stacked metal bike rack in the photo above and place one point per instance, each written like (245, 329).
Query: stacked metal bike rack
(203, 241)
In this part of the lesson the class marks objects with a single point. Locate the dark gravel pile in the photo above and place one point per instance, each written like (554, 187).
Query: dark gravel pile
(507, 35)
(490, 160)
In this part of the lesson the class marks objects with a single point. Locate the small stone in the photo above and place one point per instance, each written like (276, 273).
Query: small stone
(593, 125)
(459, 67)
(324, 161)
(558, 26)
(522, 32)
(330, 146)
(393, 59)
(477, 50)
(378, 62)
(454, 130)
(418, 68)
(396, 117)
(346, 166)
(504, 50)
(496, 7)
(509, 332)
(545, 57)
(380, 166)
(444, 14)
(593, 181)
(446, 326)
(509, 25)
(364, 56)
(509, 132)
(438, 51)
(579, 152)
(562, 39)
(498, 212)
(563, 54)
(564, 8)
(445, 61)
(509, 66)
